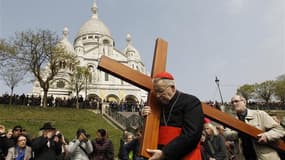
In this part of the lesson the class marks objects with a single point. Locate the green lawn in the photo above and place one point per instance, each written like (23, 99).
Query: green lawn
(64, 119)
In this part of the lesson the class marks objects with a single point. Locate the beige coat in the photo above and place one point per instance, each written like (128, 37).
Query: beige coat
(11, 153)
(271, 128)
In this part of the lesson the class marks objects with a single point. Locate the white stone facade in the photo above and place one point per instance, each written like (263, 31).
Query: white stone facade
(92, 41)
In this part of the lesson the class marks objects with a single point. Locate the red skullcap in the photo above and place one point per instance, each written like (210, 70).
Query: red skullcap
(164, 75)
(207, 120)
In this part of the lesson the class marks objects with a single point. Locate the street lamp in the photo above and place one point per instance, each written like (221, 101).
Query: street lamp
(218, 84)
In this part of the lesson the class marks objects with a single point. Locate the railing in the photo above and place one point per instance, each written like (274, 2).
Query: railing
(130, 121)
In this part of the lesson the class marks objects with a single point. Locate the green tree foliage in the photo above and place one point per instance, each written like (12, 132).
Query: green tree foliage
(265, 90)
(279, 90)
(39, 52)
(247, 91)
(281, 77)
(79, 80)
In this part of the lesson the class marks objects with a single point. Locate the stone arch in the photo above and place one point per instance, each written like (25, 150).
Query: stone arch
(112, 98)
(131, 99)
(94, 97)
(131, 103)
(95, 101)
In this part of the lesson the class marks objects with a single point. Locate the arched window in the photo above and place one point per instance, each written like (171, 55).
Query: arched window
(60, 84)
(90, 72)
(106, 42)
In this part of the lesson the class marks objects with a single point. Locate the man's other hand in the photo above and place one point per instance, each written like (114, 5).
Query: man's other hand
(156, 154)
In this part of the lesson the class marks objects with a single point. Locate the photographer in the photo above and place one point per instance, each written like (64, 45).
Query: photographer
(46, 147)
(80, 148)
(60, 138)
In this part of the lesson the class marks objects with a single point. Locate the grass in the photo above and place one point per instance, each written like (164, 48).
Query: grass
(66, 120)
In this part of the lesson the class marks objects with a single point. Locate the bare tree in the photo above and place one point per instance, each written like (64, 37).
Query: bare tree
(12, 74)
(5, 51)
(40, 53)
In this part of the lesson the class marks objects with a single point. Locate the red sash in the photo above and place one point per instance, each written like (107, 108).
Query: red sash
(168, 133)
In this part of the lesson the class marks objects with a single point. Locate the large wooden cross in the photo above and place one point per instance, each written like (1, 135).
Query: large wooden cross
(151, 124)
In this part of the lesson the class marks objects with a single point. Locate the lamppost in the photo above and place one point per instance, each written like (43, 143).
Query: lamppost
(218, 84)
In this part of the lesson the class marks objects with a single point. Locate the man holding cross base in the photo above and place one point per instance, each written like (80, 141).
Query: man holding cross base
(181, 121)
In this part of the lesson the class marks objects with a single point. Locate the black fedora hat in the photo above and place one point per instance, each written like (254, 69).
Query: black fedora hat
(47, 126)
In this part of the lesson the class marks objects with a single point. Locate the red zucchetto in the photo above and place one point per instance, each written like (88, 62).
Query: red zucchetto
(164, 75)
(207, 120)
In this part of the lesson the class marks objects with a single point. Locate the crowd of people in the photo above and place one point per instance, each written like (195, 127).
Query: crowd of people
(92, 103)
(51, 145)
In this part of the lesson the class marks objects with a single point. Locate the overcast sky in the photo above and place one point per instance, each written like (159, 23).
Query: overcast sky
(239, 41)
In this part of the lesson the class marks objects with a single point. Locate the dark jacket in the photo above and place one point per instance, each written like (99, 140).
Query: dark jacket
(126, 148)
(42, 151)
(184, 111)
(214, 146)
(3, 146)
(102, 150)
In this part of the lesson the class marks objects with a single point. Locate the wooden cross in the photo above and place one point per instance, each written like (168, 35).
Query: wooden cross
(151, 124)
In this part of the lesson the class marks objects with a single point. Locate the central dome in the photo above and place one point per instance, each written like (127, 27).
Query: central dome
(94, 25)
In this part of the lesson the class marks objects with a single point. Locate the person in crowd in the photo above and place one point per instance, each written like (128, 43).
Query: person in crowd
(17, 130)
(256, 149)
(81, 147)
(103, 146)
(3, 142)
(122, 152)
(46, 147)
(232, 144)
(9, 133)
(127, 152)
(214, 144)
(20, 151)
(59, 137)
(131, 147)
(181, 121)
(277, 119)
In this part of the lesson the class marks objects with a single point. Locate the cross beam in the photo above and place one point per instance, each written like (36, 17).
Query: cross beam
(150, 135)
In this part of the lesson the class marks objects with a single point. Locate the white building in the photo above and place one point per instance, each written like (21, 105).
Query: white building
(92, 41)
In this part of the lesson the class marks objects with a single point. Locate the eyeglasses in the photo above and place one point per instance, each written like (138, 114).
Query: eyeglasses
(18, 129)
(161, 91)
(22, 140)
(235, 101)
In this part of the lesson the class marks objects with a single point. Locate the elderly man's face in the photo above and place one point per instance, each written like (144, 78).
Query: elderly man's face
(238, 103)
(163, 92)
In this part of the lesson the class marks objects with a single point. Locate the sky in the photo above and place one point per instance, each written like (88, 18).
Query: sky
(239, 41)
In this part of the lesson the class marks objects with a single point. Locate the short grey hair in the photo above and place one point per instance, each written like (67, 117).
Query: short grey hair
(168, 82)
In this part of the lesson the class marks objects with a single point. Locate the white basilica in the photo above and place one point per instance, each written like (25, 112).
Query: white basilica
(92, 41)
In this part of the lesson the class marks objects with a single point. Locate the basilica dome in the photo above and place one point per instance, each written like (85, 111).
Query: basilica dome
(65, 42)
(94, 25)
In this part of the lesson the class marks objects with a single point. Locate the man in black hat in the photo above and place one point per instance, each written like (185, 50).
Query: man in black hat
(45, 147)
